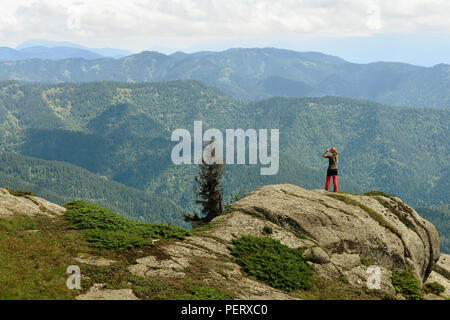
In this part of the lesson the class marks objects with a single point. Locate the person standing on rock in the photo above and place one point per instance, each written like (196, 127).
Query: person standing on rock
(332, 168)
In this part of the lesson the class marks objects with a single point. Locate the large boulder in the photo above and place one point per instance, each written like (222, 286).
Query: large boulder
(26, 205)
(441, 275)
(354, 232)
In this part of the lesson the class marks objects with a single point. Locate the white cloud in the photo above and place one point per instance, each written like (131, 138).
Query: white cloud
(140, 24)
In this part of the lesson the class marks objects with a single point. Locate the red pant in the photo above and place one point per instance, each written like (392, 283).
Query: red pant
(327, 185)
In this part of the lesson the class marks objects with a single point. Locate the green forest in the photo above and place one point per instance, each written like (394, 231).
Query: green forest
(61, 182)
(113, 139)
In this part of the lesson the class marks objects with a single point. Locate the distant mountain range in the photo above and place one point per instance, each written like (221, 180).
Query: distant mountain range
(105, 52)
(45, 53)
(254, 74)
(50, 50)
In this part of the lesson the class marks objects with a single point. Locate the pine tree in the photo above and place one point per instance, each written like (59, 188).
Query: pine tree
(208, 191)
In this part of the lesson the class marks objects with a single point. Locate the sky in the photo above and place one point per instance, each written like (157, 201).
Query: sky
(411, 31)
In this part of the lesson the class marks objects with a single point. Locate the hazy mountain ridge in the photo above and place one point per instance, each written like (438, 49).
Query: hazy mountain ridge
(255, 74)
(45, 53)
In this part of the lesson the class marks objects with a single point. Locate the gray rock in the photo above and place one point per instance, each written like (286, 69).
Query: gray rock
(97, 293)
(316, 255)
(443, 266)
(26, 206)
(385, 229)
(93, 260)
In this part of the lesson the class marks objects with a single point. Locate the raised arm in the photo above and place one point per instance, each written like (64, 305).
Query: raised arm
(325, 153)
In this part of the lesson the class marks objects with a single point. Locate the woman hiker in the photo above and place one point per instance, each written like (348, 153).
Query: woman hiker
(332, 168)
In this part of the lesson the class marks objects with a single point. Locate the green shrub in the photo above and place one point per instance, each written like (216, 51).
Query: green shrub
(272, 262)
(105, 229)
(367, 261)
(406, 284)
(434, 288)
(344, 280)
(267, 230)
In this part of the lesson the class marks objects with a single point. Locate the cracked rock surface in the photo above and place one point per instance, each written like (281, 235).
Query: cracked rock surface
(344, 236)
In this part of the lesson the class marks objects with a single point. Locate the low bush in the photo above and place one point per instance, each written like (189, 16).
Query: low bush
(106, 229)
(406, 284)
(268, 260)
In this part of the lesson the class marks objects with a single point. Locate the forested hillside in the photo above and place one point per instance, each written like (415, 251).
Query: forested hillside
(61, 182)
(255, 74)
(440, 217)
(122, 131)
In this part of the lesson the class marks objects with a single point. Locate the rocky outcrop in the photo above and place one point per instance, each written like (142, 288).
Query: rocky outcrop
(26, 205)
(209, 253)
(344, 233)
(441, 275)
(96, 292)
(346, 237)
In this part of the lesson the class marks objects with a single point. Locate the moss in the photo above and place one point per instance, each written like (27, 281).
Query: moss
(268, 260)
(203, 227)
(378, 193)
(344, 280)
(20, 193)
(301, 236)
(406, 283)
(434, 288)
(267, 230)
(367, 261)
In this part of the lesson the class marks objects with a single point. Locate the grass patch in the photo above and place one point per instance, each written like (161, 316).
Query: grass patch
(188, 288)
(434, 288)
(105, 229)
(114, 276)
(268, 260)
(203, 293)
(325, 289)
(148, 288)
(406, 284)
(33, 265)
(378, 193)
(203, 227)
